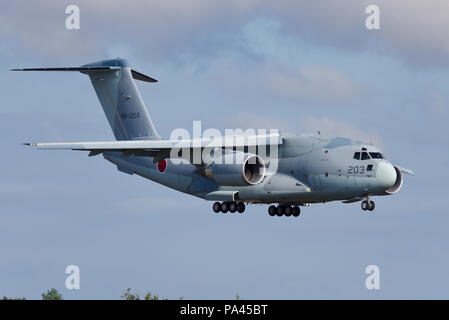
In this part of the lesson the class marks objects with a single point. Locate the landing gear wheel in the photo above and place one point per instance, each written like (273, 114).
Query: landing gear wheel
(279, 211)
(288, 211)
(296, 211)
(232, 207)
(216, 207)
(240, 207)
(272, 210)
(372, 205)
(225, 207)
(365, 206)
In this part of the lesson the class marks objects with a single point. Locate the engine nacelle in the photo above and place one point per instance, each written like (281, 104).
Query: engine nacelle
(236, 169)
(397, 184)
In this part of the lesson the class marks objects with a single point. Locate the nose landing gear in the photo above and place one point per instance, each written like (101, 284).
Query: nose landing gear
(368, 205)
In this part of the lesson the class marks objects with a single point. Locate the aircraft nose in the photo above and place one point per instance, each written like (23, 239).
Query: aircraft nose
(386, 174)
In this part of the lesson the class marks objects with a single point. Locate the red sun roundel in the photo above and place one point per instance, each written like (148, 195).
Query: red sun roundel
(162, 166)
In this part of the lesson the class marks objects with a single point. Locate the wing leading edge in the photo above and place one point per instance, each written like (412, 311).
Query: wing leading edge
(160, 149)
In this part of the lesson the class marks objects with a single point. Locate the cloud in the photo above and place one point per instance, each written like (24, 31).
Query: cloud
(153, 29)
(307, 85)
(257, 121)
(316, 84)
(412, 30)
(415, 30)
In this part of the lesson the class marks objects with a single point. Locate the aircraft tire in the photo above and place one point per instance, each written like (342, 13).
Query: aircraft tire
(372, 205)
(288, 211)
(232, 207)
(272, 210)
(216, 207)
(280, 211)
(364, 205)
(240, 207)
(224, 207)
(296, 211)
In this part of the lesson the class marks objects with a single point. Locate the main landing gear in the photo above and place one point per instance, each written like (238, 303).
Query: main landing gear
(368, 205)
(231, 206)
(284, 210)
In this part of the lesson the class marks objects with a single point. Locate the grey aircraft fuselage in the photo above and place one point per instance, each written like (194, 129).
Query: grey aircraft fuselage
(311, 169)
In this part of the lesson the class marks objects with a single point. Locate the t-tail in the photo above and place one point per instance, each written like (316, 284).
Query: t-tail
(113, 81)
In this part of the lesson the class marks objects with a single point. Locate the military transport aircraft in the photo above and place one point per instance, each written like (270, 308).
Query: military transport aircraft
(285, 169)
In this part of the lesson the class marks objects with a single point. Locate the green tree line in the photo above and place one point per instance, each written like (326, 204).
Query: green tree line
(53, 294)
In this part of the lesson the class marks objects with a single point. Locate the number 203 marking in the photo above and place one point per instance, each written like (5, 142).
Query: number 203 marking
(356, 169)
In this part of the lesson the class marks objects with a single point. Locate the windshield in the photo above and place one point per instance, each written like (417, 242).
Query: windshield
(365, 156)
(368, 155)
(376, 155)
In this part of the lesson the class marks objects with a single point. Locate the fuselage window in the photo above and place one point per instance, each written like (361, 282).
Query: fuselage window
(365, 156)
(268, 150)
(376, 155)
(357, 155)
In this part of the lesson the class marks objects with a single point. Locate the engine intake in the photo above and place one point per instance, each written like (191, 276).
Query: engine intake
(236, 169)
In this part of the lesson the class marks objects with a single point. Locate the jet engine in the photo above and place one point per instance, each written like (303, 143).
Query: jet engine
(236, 169)
(397, 184)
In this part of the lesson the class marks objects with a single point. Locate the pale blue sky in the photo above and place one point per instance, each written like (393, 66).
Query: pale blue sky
(297, 66)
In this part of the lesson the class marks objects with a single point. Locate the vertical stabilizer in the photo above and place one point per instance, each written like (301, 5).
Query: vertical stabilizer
(122, 103)
(121, 99)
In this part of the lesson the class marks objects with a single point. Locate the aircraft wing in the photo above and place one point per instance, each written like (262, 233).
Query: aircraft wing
(407, 171)
(161, 148)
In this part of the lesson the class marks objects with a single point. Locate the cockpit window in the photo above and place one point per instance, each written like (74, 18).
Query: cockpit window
(365, 156)
(376, 155)
(357, 155)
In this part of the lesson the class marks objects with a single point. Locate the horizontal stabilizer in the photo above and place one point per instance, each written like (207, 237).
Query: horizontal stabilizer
(85, 69)
(140, 76)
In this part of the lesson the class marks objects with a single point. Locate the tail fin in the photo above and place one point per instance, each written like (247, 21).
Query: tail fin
(119, 96)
